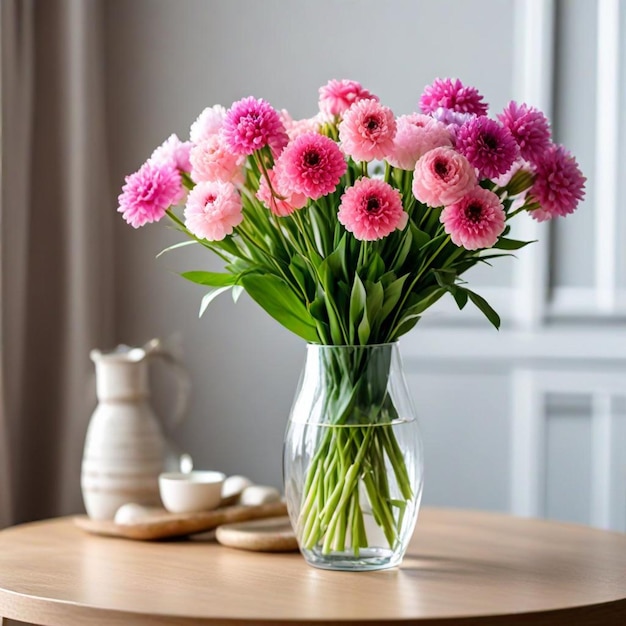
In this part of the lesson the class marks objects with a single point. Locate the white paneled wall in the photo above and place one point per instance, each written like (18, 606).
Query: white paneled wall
(563, 341)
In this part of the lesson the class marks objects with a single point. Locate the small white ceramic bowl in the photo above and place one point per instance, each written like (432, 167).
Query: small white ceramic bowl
(191, 492)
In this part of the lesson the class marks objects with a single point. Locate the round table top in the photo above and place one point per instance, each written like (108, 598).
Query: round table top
(488, 568)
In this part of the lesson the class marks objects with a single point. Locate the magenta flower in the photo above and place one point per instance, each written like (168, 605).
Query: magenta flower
(452, 94)
(475, 221)
(337, 96)
(442, 176)
(415, 135)
(372, 209)
(311, 165)
(213, 210)
(211, 160)
(281, 202)
(209, 123)
(252, 124)
(173, 151)
(530, 129)
(149, 192)
(559, 184)
(367, 131)
(488, 146)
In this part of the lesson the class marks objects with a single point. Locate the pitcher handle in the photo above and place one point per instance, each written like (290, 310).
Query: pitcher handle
(155, 349)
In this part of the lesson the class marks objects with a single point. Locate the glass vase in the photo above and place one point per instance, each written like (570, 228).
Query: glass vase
(352, 460)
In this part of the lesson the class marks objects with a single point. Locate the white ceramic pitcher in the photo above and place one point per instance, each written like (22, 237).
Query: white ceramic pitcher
(125, 447)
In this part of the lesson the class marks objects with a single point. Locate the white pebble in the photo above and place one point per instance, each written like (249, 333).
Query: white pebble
(234, 485)
(132, 513)
(259, 494)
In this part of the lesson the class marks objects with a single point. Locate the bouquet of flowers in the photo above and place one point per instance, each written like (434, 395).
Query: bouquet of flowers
(347, 226)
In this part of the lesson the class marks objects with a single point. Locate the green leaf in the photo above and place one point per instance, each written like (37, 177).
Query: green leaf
(425, 299)
(485, 307)
(445, 278)
(176, 245)
(236, 292)
(333, 267)
(376, 268)
(460, 296)
(510, 244)
(419, 236)
(211, 279)
(392, 296)
(374, 302)
(277, 298)
(358, 299)
(364, 329)
(209, 297)
(406, 325)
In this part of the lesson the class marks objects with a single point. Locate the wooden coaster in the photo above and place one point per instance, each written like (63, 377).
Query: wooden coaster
(165, 525)
(261, 535)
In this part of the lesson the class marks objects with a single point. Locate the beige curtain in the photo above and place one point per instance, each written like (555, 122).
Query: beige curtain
(55, 255)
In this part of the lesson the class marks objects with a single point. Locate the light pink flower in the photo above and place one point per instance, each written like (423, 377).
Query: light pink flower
(209, 123)
(213, 210)
(559, 184)
(337, 96)
(475, 221)
(415, 135)
(372, 209)
(211, 160)
(173, 151)
(149, 192)
(442, 176)
(311, 165)
(295, 128)
(281, 203)
(367, 131)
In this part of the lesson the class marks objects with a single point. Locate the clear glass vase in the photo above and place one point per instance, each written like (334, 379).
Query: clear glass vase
(352, 460)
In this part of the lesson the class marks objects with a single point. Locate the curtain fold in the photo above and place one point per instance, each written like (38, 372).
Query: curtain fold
(56, 252)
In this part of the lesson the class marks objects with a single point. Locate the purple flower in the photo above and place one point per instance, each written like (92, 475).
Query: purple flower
(451, 118)
(530, 129)
(252, 124)
(452, 94)
(559, 184)
(487, 145)
(149, 192)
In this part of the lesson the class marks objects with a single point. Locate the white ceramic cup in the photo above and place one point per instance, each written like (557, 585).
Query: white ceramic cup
(191, 492)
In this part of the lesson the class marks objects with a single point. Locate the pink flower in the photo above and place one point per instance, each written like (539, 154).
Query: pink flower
(311, 165)
(559, 184)
(173, 151)
(475, 221)
(530, 129)
(283, 205)
(149, 192)
(209, 123)
(367, 131)
(213, 210)
(452, 94)
(337, 96)
(442, 176)
(416, 134)
(372, 209)
(211, 160)
(295, 128)
(488, 146)
(252, 124)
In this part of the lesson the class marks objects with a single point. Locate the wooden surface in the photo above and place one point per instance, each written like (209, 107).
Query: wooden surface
(490, 569)
(166, 525)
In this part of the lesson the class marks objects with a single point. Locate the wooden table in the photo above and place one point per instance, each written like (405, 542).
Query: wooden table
(486, 568)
